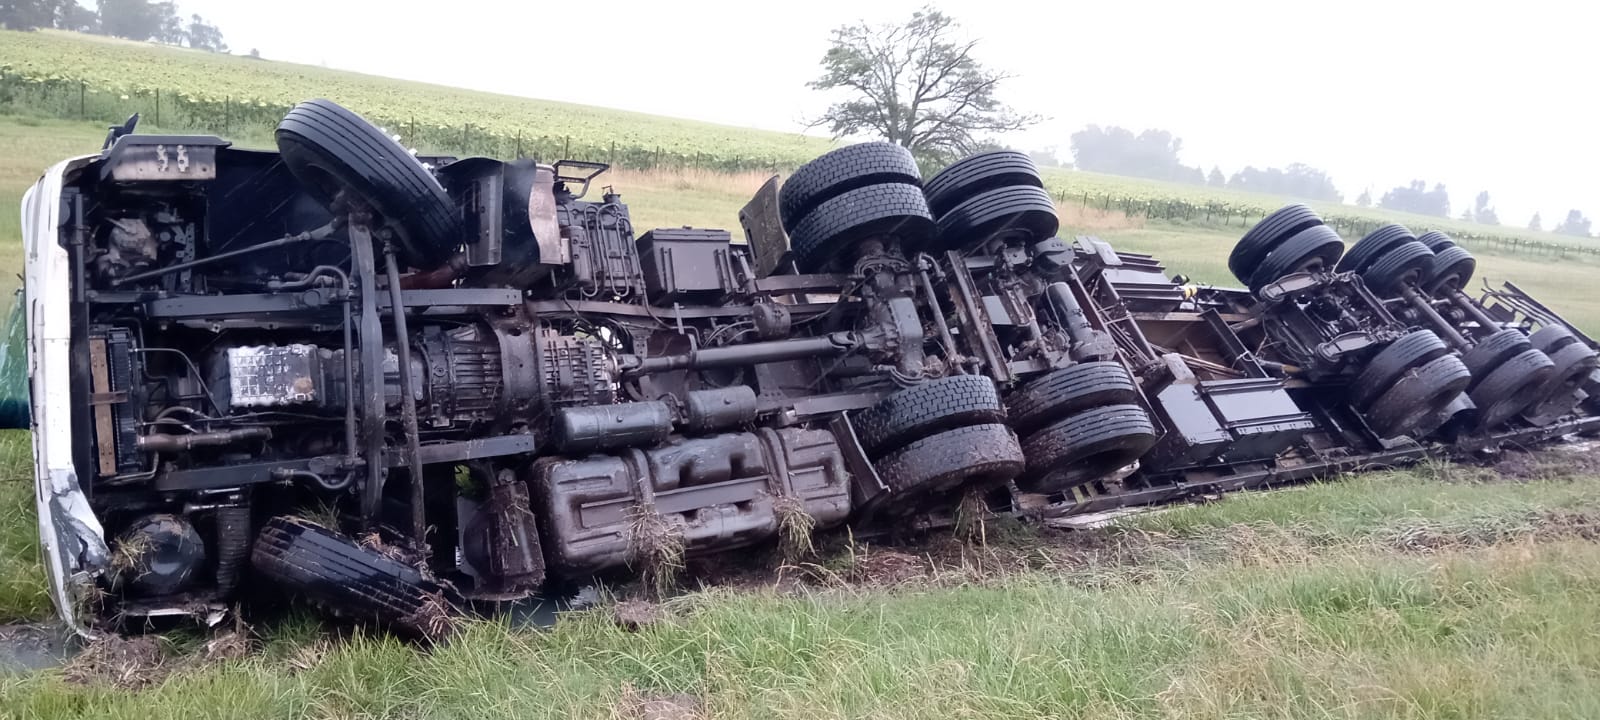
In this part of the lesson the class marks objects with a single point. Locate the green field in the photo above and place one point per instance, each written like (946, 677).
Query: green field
(67, 75)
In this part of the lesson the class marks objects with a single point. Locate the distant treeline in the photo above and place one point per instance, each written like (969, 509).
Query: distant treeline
(131, 19)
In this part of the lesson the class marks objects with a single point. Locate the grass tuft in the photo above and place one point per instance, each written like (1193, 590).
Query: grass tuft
(655, 549)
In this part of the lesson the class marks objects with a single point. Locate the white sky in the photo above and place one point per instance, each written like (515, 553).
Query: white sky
(1499, 97)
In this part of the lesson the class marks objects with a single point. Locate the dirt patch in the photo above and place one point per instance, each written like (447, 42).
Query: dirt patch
(125, 662)
(637, 705)
(635, 615)
(1551, 464)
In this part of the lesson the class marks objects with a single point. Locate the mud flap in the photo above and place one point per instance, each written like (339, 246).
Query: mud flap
(763, 230)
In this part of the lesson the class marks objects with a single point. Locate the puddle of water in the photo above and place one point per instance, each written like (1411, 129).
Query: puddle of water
(34, 646)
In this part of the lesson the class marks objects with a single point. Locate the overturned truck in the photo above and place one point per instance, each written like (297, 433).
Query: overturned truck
(397, 386)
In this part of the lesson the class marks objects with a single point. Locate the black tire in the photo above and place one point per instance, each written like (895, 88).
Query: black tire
(1418, 395)
(933, 406)
(1086, 447)
(834, 173)
(975, 456)
(1282, 224)
(896, 210)
(1450, 269)
(1574, 363)
(1436, 241)
(1490, 352)
(1401, 266)
(980, 173)
(327, 148)
(1508, 389)
(1314, 249)
(1390, 364)
(338, 574)
(1067, 391)
(1551, 338)
(1018, 209)
(1377, 243)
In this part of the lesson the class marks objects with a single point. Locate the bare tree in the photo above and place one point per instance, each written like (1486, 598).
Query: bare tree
(914, 84)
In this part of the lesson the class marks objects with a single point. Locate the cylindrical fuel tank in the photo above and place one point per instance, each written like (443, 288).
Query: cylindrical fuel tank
(720, 408)
(588, 428)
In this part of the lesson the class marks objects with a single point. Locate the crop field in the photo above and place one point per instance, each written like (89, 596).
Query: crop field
(67, 75)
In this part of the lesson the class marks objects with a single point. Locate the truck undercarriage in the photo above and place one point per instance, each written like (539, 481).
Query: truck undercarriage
(396, 385)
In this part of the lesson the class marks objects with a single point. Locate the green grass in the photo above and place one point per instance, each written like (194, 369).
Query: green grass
(1346, 628)
(43, 71)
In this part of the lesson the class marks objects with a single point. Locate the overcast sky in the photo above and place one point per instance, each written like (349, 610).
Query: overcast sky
(1499, 97)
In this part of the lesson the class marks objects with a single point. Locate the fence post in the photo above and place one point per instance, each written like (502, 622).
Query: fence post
(227, 113)
(519, 143)
(82, 90)
(158, 106)
(566, 148)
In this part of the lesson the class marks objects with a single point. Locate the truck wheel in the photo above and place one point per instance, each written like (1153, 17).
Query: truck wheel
(1401, 266)
(1067, 391)
(929, 407)
(1450, 269)
(329, 148)
(895, 210)
(1436, 241)
(1020, 208)
(1551, 338)
(1392, 363)
(835, 173)
(1508, 389)
(1368, 249)
(335, 572)
(1418, 395)
(1314, 249)
(1493, 350)
(1085, 447)
(1282, 224)
(979, 173)
(976, 456)
(1574, 362)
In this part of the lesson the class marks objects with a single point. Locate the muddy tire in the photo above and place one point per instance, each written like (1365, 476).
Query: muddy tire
(1085, 447)
(1393, 362)
(977, 174)
(1068, 391)
(1020, 209)
(1404, 265)
(927, 408)
(1314, 249)
(1508, 389)
(896, 211)
(1450, 269)
(1436, 241)
(1489, 353)
(1376, 244)
(328, 148)
(835, 173)
(336, 573)
(1419, 394)
(1282, 224)
(976, 456)
(1574, 363)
